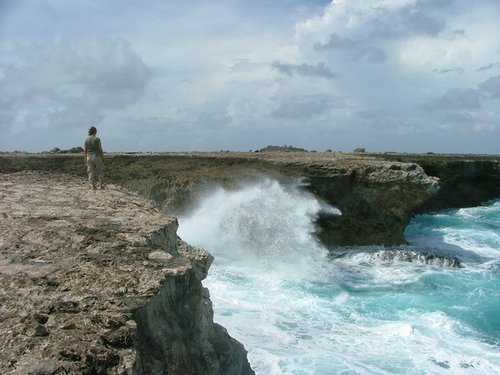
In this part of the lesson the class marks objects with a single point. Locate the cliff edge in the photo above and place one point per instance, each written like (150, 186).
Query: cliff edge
(98, 282)
(377, 193)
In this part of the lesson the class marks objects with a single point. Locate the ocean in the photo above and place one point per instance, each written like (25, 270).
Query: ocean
(360, 310)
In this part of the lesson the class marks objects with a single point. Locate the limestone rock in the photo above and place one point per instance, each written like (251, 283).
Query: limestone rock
(93, 282)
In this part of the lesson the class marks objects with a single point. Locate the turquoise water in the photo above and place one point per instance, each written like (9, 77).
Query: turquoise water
(366, 310)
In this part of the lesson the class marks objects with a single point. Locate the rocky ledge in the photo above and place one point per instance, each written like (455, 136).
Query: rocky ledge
(98, 282)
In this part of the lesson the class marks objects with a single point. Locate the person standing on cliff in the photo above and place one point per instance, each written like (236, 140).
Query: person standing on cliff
(94, 159)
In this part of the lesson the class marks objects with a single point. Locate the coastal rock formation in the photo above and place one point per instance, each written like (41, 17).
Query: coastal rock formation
(376, 201)
(98, 282)
(377, 193)
(465, 181)
(376, 197)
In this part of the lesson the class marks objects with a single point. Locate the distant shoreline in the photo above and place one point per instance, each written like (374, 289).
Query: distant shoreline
(321, 154)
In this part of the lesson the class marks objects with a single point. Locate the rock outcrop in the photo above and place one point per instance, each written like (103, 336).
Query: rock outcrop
(98, 282)
(465, 180)
(376, 200)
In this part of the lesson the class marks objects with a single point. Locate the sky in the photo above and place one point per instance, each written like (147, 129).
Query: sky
(211, 75)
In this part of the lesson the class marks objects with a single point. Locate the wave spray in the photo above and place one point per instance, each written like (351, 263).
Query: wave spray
(298, 310)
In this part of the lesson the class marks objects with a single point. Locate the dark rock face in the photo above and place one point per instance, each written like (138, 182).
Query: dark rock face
(376, 201)
(463, 183)
(176, 334)
(465, 180)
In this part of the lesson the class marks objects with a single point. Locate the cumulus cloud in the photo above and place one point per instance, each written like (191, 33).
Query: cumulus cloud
(413, 18)
(384, 20)
(355, 49)
(432, 35)
(234, 72)
(320, 70)
(66, 83)
(381, 23)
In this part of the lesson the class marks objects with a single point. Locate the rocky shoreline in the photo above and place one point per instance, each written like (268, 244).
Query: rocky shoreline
(98, 282)
(376, 193)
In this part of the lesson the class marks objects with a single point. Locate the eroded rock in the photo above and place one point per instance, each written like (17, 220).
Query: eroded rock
(377, 193)
(82, 274)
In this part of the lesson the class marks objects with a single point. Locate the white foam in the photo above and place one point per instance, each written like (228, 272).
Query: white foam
(483, 243)
(266, 225)
(286, 332)
(471, 233)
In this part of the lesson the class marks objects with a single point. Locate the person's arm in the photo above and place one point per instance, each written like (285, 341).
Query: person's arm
(100, 150)
(85, 153)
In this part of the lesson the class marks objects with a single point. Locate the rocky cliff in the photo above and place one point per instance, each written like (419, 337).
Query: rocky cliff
(465, 180)
(97, 282)
(377, 194)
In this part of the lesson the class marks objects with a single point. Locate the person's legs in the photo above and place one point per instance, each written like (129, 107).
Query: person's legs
(91, 171)
(100, 172)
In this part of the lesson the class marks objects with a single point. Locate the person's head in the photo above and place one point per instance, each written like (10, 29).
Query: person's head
(92, 130)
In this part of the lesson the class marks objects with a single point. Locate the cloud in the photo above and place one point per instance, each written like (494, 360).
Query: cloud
(408, 32)
(68, 83)
(414, 18)
(319, 70)
(492, 87)
(490, 66)
(308, 106)
(356, 50)
(367, 21)
(456, 99)
(477, 121)
(458, 71)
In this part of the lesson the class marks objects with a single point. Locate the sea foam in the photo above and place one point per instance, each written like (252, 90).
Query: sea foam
(369, 310)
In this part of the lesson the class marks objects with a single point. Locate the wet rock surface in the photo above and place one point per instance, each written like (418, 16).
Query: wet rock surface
(82, 273)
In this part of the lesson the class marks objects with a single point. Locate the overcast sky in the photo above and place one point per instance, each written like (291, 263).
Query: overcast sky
(209, 75)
